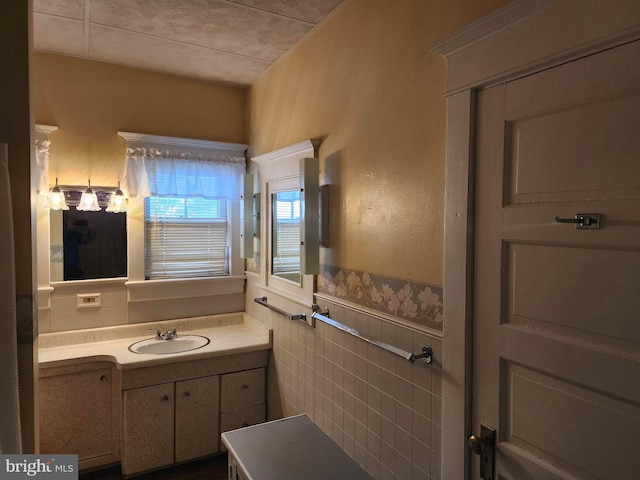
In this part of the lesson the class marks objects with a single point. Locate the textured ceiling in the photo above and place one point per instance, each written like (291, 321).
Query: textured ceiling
(230, 41)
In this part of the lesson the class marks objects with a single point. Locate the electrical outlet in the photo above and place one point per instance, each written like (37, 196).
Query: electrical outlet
(88, 300)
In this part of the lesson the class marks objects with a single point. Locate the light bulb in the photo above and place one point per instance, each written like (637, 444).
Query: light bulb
(89, 201)
(117, 201)
(56, 198)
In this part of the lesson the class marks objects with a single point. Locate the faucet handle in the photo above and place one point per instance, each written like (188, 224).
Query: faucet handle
(158, 334)
(173, 333)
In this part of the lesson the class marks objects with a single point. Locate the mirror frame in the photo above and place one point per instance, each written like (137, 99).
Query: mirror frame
(72, 195)
(292, 167)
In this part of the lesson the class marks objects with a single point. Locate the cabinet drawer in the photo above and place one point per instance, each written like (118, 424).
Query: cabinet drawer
(243, 417)
(242, 389)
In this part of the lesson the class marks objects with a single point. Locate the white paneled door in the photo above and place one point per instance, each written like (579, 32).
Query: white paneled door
(556, 363)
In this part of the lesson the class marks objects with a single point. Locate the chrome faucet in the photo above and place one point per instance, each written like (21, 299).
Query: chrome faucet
(168, 335)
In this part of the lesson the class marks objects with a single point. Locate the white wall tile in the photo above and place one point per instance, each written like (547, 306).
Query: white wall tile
(380, 408)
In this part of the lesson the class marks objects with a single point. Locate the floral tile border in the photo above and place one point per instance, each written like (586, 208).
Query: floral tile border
(412, 301)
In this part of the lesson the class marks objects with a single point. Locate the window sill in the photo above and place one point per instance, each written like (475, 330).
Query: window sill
(166, 289)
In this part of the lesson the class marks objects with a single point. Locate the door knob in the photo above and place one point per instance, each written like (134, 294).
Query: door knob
(484, 445)
(475, 444)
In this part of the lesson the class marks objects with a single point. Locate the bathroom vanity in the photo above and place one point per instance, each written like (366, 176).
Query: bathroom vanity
(108, 404)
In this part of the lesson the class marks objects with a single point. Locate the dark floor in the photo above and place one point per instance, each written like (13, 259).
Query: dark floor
(214, 468)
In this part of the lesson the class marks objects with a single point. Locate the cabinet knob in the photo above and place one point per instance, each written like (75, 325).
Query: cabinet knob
(165, 398)
(103, 378)
(187, 394)
(244, 386)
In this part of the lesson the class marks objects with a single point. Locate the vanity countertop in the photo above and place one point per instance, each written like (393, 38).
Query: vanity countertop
(229, 334)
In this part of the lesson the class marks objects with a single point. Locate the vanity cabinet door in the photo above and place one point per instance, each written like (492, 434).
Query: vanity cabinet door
(148, 428)
(76, 415)
(197, 414)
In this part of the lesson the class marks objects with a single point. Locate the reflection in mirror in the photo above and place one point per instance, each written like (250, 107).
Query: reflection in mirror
(87, 245)
(285, 258)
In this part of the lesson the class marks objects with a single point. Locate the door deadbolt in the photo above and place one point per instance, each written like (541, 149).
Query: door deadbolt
(484, 445)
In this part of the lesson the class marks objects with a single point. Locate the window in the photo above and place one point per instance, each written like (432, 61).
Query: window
(185, 237)
(191, 200)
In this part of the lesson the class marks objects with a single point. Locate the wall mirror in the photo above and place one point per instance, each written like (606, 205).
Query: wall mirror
(288, 182)
(87, 245)
(285, 233)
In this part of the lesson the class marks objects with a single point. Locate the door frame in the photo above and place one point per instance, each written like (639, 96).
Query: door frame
(522, 38)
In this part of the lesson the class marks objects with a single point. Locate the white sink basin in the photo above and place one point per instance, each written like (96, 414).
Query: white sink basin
(183, 343)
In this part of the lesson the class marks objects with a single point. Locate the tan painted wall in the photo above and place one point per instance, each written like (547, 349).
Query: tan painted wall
(90, 101)
(366, 82)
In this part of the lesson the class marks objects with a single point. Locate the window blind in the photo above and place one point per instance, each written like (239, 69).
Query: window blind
(185, 237)
(286, 258)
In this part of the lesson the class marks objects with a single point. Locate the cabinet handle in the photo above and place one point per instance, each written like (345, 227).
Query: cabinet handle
(103, 378)
(244, 386)
(165, 398)
(187, 394)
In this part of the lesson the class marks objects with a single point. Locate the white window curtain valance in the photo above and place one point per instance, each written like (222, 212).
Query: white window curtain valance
(164, 174)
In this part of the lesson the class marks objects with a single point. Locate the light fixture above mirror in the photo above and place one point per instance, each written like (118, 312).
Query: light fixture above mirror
(90, 199)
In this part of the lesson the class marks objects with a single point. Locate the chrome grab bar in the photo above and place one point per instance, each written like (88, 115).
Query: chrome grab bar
(427, 353)
(263, 301)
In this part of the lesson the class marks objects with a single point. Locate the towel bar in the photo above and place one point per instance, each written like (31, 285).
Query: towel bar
(263, 301)
(427, 353)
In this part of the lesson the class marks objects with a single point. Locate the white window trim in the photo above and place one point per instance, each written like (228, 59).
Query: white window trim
(143, 290)
(280, 170)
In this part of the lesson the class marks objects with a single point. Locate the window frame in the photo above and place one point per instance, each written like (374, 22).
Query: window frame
(146, 290)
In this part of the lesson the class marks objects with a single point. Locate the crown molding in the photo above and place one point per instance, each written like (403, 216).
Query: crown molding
(306, 148)
(528, 36)
(507, 17)
(135, 140)
(46, 129)
(42, 132)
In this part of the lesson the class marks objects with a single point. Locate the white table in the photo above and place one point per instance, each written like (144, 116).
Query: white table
(291, 448)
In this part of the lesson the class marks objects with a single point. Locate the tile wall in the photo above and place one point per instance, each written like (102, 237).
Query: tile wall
(381, 409)
(58, 310)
